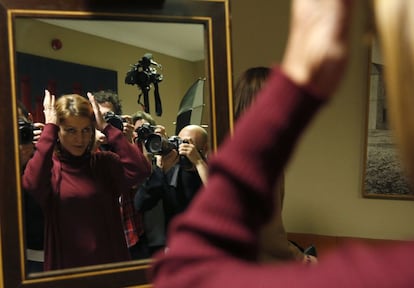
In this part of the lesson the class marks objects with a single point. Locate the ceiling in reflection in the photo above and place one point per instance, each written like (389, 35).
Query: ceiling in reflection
(184, 41)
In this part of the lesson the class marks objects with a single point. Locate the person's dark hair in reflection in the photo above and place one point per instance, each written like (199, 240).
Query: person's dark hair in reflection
(274, 244)
(78, 188)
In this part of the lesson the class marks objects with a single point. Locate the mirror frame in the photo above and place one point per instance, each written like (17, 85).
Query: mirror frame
(214, 15)
(371, 162)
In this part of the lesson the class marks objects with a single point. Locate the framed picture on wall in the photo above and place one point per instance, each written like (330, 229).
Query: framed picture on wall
(383, 174)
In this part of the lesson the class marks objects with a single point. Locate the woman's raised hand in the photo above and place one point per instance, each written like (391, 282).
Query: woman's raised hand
(49, 108)
(100, 121)
(318, 45)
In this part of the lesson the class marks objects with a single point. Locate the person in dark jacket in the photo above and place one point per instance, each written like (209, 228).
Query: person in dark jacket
(174, 182)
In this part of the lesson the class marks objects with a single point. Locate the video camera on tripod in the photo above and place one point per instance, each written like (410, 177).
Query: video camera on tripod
(143, 74)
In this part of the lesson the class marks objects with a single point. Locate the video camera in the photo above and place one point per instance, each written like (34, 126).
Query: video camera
(143, 75)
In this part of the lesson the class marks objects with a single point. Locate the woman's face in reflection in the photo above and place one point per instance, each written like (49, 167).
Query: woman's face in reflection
(75, 134)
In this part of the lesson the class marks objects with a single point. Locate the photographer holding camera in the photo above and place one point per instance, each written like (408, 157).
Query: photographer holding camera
(180, 171)
(111, 108)
(29, 133)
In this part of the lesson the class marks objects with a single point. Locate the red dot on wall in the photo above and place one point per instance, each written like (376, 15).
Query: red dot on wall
(56, 44)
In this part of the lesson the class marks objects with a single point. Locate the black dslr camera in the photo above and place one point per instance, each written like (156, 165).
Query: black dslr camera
(154, 143)
(25, 131)
(115, 120)
(158, 145)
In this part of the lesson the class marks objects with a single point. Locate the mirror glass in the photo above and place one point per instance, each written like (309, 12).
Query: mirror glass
(45, 41)
(76, 56)
(70, 56)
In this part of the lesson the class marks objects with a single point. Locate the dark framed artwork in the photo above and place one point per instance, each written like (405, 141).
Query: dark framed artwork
(384, 176)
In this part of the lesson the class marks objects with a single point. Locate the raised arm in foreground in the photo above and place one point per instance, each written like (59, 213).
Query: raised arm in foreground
(214, 243)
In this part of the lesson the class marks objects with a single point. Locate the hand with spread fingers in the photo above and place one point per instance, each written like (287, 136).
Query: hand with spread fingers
(100, 121)
(306, 61)
(49, 108)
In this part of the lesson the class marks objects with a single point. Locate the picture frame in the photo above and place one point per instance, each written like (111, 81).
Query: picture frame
(384, 175)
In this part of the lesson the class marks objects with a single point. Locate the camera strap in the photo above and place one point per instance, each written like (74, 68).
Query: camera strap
(146, 101)
(158, 105)
(157, 98)
(144, 105)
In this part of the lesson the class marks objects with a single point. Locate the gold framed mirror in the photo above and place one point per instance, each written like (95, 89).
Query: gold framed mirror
(213, 16)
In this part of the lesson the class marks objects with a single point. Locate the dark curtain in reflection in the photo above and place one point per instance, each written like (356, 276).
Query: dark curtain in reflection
(35, 74)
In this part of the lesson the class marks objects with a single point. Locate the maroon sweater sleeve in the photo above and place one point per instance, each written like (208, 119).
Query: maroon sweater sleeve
(136, 166)
(38, 172)
(214, 243)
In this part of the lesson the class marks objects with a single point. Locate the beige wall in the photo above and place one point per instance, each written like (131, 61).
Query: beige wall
(34, 37)
(324, 178)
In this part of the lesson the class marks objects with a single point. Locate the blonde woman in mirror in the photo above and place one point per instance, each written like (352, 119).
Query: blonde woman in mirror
(77, 188)
(274, 243)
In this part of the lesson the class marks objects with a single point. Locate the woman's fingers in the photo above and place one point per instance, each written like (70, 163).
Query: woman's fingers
(100, 121)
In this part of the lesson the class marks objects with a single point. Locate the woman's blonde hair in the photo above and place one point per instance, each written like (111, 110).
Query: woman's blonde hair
(78, 106)
(395, 27)
(73, 105)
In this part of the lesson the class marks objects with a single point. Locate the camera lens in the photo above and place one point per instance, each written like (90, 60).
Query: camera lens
(154, 144)
(158, 145)
(144, 132)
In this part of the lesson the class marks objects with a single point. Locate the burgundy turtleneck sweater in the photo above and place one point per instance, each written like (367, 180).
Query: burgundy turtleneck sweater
(80, 198)
(215, 242)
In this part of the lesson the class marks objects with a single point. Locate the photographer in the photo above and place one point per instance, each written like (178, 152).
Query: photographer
(29, 133)
(111, 108)
(174, 182)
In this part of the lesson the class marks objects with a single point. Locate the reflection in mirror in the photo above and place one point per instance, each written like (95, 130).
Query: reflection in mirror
(77, 56)
(67, 45)
(112, 46)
